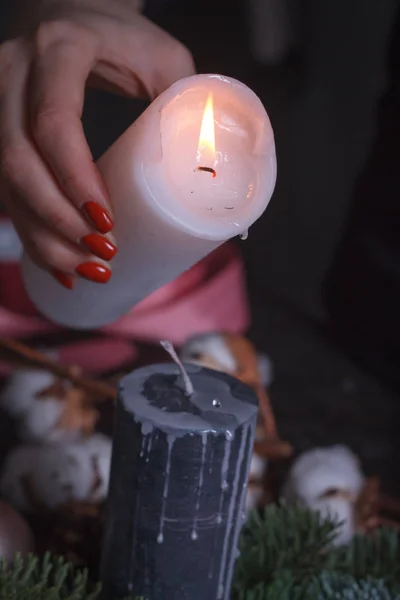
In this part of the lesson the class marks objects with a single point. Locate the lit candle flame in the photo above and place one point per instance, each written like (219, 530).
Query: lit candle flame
(206, 148)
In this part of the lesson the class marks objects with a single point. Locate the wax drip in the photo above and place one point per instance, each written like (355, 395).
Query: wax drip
(224, 489)
(224, 472)
(194, 535)
(239, 521)
(222, 592)
(144, 442)
(189, 389)
(170, 442)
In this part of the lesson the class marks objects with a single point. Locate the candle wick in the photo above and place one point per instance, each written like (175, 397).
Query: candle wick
(208, 170)
(189, 389)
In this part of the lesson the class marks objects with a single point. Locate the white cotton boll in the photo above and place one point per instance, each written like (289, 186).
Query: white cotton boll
(322, 469)
(266, 370)
(328, 481)
(341, 511)
(257, 467)
(62, 476)
(56, 473)
(59, 473)
(20, 391)
(39, 423)
(210, 345)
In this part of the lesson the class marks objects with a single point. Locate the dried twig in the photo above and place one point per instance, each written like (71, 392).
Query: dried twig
(101, 389)
(273, 449)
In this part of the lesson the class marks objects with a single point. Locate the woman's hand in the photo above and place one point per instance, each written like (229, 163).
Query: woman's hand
(48, 180)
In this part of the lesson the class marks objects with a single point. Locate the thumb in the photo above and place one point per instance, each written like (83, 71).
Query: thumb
(140, 56)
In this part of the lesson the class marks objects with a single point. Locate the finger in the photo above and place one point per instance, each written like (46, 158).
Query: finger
(25, 175)
(50, 252)
(143, 55)
(107, 82)
(57, 89)
(44, 247)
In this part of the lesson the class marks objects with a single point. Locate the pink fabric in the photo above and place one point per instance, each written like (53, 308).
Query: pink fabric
(208, 297)
(216, 301)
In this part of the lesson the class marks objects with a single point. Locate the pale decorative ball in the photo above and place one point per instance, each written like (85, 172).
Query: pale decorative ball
(15, 534)
(19, 394)
(58, 473)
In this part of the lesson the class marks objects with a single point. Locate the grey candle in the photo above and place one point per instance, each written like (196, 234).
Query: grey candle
(178, 479)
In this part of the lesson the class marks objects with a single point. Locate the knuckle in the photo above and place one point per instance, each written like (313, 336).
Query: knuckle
(46, 121)
(71, 179)
(58, 221)
(59, 32)
(182, 57)
(53, 32)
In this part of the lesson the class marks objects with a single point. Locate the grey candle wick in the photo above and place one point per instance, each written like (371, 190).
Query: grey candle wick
(189, 389)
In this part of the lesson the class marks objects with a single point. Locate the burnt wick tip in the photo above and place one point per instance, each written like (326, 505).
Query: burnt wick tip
(208, 170)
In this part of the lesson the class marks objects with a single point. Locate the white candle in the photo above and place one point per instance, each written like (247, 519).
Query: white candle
(196, 169)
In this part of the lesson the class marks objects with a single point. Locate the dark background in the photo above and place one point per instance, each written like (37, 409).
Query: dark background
(322, 100)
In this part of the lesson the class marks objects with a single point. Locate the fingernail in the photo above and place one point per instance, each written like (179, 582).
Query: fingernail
(64, 279)
(94, 272)
(100, 246)
(98, 217)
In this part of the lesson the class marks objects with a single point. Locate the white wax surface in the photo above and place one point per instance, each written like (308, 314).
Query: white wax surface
(168, 215)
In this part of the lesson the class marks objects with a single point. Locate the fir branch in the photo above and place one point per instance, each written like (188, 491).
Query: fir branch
(330, 586)
(286, 553)
(283, 538)
(376, 556)
(49, 578)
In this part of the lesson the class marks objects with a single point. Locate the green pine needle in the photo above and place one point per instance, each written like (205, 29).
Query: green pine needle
(49, 578)
(282, 539)
(330, 586)
(377, 556)
(286, 553)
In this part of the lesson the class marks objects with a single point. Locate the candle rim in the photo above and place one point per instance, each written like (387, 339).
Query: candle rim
(242, 396)
(164, 201)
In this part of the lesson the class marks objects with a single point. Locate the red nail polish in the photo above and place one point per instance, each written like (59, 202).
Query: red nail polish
(94, 272)
(98, 217)
(100, 246)
(64, 279)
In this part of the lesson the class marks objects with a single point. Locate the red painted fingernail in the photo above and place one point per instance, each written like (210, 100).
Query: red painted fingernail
(64, 279)
(100, 246)
(98, 217)
(94, 272)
